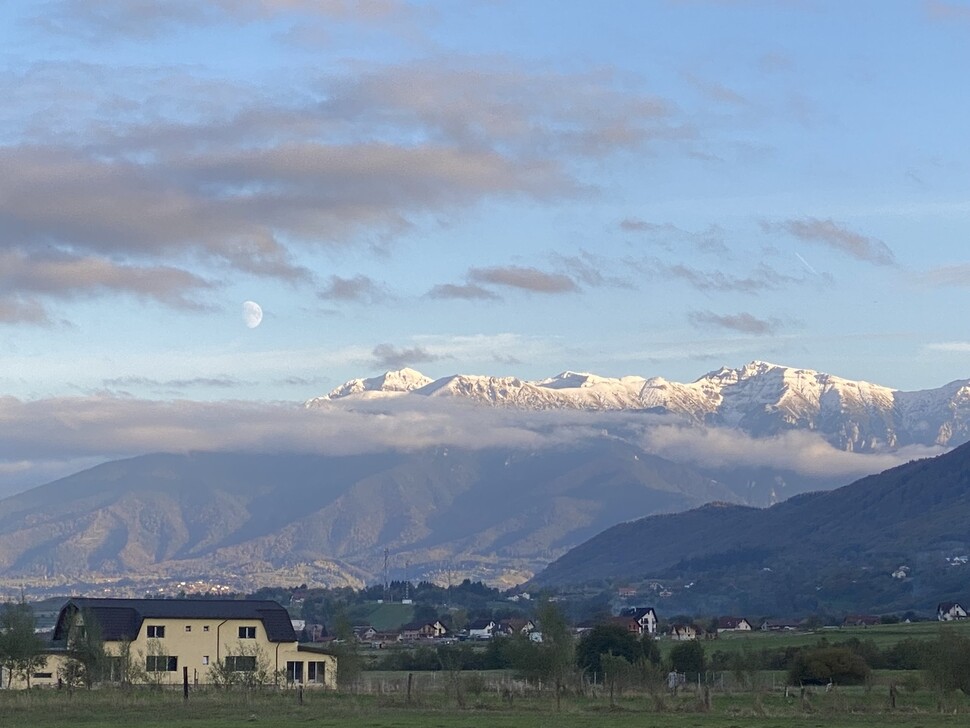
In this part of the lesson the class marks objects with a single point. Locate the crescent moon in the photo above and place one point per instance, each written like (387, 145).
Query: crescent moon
(252, 314)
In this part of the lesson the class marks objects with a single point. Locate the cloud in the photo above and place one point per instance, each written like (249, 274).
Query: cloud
(743, 322)
(65, 275)
(671, 237)
(524, 278)
(467, 291)
(762, 278)
(949, 275)
(590, 269)
(838, 237)
(387, 356)
(806, 453)
(946, 12)
(716, 91)
(360, 288)
(960, 347)
(43, 436)
(111, 19)
(15, 310)
(179, 384)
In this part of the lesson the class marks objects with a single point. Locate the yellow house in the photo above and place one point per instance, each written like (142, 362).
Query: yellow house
(210, 641)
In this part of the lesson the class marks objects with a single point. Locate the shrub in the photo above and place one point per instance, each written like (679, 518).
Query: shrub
(828, 664)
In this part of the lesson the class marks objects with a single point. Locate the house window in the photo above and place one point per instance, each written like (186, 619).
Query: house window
(205, 628)
(241, 663)
(294, 672)
(205, 659)
(188, 628)
(156, 631)
(161, 663)
(247, 633)
(316, 672)
(43, 675)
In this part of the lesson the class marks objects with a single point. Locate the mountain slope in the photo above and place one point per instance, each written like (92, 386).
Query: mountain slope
(819, 550)
(759, 398)
(493, 513)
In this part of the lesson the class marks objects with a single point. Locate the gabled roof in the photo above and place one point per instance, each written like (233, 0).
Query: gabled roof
(480, 624)
(121, 619)
(730, 622)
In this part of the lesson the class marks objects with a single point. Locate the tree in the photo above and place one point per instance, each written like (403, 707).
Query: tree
(245, 666)
(606, 639)
(87, 658)
(21, 650)
(557, 651)
(688, 657)
(947, 663)
(828, 664)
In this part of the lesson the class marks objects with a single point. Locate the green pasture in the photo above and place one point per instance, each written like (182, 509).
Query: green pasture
(146, 709)
(883, 635)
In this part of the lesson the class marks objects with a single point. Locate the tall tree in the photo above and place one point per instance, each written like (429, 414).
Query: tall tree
(21, 650)
(87, 659)
(557, 650)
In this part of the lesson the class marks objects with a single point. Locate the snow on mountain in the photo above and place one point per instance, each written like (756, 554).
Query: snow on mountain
(387, 384)
(761, 398)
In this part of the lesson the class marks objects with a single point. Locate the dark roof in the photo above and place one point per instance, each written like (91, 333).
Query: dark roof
(480, 624)
(121, 619)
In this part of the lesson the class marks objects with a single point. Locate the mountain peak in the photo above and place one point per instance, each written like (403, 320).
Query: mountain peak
(761, 398)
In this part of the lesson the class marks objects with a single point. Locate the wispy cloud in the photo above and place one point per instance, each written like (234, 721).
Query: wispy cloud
(943, 11)
(948, 275)
(960, 347)
(467, 291)
(178, 384)
(671, 237)
(762, 278)
(835, 236)
(360, 288)
(388, 356)
(524, 278)
(744, 322)
(113, 19)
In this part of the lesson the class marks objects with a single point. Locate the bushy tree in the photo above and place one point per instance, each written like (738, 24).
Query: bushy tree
(87, 659)
(21, 650)
(823, 664)
(688, 657)
(557, 651)
(606, 639)
(947, 663)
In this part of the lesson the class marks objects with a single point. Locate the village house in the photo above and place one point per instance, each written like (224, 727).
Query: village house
(515, 625)
(861, 620)
(422, 631)
(733, 624)
(682, 632)
(949, 611)
(481, 629)
(645, 617)
(781, 625)
(162, 637)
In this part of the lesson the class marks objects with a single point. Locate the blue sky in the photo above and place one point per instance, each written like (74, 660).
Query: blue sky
(652, 188)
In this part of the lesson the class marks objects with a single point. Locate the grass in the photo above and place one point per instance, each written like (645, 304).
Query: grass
(848, 707)
(883, 635)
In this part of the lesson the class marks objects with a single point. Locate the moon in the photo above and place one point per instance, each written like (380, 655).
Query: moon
(252, 314)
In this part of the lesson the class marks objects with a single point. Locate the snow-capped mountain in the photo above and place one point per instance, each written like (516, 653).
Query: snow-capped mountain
(759, 398)
(387, 384)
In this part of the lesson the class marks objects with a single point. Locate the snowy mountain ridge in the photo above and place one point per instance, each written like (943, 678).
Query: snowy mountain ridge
(760, 398)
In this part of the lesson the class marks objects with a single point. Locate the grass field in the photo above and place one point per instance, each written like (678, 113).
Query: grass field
(486, 707)
(883, 635)
(496, 699)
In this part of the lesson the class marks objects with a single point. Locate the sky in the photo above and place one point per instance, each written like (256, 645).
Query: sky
(658, 188)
